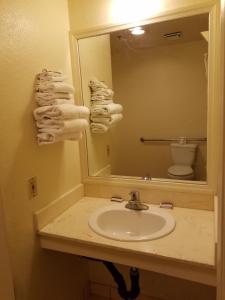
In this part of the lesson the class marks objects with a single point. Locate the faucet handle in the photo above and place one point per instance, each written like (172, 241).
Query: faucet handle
(135, 196)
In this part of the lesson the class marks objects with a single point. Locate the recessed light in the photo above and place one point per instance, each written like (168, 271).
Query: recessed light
(137, 30)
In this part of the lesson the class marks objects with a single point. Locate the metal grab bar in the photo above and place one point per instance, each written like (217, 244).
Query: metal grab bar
(180, 139)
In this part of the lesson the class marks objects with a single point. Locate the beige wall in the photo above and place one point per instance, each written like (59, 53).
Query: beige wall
(99, 12)
(34, 35)
(6, 284)
(95, 62)
(163, 91)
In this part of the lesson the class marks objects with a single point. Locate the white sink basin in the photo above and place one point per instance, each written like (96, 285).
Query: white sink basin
(119, 223)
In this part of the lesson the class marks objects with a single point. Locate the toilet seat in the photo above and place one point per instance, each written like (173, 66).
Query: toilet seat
(180, 171)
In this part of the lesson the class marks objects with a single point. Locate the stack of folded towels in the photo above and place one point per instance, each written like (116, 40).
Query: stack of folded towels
(57, 118)
(104, 112)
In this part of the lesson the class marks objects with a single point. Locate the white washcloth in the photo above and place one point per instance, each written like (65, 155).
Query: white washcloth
(52, 95)
(100, 97)
(57, 87)
(106, 110)
(100, 102)
(99, 128)
(109, 121)
(50, 126)
(95, 84)
(42, 102)
(50, 138)
(46, 72)
(103, 92)
(75, 124)
(50, 78)
(60, 112)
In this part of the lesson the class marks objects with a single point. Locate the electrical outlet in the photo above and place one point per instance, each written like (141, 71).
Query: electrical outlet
(32, 184)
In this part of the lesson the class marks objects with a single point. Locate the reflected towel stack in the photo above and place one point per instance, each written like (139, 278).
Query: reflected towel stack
(58, 118)
(104, 112)
(100, 93)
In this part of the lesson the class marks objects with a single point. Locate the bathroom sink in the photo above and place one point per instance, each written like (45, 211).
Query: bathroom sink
(119, 223)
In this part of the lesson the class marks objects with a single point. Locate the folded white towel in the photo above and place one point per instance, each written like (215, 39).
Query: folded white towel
(42, 102)
(106, 110)
(59, 127)
(57, 87)
(50, 78)
(59, 124)
(52, 95)
(100, 102)
(46, 72)
(60, 112)
(99, 128)
(109, 121)
(100, 97)
(103, 92)
(95, 84)
(50, 138)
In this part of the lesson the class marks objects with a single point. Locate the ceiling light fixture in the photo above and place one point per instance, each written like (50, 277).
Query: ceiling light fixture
(137, 30)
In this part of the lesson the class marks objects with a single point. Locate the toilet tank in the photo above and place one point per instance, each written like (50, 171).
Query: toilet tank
(183, 154)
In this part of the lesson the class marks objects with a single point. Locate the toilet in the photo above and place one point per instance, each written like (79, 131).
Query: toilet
(183, 156)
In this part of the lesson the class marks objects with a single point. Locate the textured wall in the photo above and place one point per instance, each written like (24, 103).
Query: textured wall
(6, 285)
(34, 34)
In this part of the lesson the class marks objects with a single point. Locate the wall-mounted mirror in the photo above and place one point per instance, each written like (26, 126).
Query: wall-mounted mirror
(158, 74)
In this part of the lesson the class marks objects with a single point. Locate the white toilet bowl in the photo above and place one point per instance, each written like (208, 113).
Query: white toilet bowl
(181, 172)
(183, 156)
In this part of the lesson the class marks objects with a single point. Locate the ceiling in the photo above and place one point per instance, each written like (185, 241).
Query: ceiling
(190, 27)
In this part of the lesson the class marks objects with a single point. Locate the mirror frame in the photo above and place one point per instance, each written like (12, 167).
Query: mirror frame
(214, 116)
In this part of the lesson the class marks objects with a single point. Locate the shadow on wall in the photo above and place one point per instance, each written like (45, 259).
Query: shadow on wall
(49, 276)
(38, 274)
(155, 285)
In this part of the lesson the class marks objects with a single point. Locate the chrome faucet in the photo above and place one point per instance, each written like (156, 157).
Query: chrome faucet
(135, 202)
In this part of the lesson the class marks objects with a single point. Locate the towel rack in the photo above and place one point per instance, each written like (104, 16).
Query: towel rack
(181, 140)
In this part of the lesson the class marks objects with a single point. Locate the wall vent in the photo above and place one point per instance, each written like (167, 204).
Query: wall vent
(173, 35)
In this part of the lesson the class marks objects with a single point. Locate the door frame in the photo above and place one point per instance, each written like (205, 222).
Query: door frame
(221, 189)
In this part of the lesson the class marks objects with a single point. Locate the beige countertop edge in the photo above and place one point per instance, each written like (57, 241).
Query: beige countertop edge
(128, 250)
(194, 271)
(188, 252)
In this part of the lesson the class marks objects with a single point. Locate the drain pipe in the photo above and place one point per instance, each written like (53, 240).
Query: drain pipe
(121, 285)
(135, 287)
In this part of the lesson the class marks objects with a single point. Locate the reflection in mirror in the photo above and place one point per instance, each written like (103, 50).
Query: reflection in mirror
(158, 73)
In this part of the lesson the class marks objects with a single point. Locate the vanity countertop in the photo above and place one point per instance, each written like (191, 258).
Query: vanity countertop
(192, 243)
